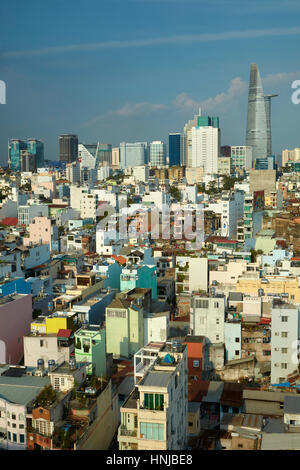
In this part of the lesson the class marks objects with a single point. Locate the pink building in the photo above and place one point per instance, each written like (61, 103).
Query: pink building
(39, 232)
(15, 319)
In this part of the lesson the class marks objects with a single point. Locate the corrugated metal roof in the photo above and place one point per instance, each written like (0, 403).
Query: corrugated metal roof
(292, 404)
(21, 390)
(280, 441)
(156, 379)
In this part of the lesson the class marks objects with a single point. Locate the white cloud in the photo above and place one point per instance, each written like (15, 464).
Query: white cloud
(128, 110)
(183, 39)
(131, 109)
(236, 88)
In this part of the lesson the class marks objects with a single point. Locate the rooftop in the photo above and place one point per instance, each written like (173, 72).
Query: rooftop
(156, 379)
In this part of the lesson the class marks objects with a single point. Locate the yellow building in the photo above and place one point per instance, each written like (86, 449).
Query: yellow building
(271, 285)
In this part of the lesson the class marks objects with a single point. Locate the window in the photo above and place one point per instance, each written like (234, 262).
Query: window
(41, 343)
(13, 416)
(216, 304)
(14, 437)
(14, 425)
(225, 409)
(21, 426)
(152, 431)
(284, 318)
(240, 446)
(217, 337)
(153, 401)
(284, 334)
(9, 435)
(217, 321)
(237, 353)
(22, 438)
(195, 363)
(284, 350)
(237, 340)
(56, 383)
(283, 365)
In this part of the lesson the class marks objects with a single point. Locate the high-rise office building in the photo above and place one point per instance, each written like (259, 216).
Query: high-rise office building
(188, 140)
(15, 147)
(206, 144)
(157, 153)
(104, 155)
(268, 113)
(176, 149)
(258, 132)
(36, 147)
(133, 154)
(87, 154)
(68, 148)
(115, 160)
(28, 161)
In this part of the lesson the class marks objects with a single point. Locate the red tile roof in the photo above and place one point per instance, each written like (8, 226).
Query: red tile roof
(120, 259)
(64, 333)
(10, 221)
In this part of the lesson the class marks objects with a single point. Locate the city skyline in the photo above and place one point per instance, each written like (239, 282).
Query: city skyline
(71, 83)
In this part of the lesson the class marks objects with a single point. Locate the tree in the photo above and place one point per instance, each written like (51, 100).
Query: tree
(175, 193)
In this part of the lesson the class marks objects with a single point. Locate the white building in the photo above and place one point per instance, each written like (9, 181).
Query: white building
(241, 157)
(82, 200)
(232, 211)
(46, 347)
(157, 153)
(285, 335)
(154, 416)
(158, 198)
(207, 316)
(140, 173)
(156, 327)
(206, 148)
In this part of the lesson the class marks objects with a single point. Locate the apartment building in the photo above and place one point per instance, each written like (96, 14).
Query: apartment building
(285, 339)
(154, 416)
(207, 316)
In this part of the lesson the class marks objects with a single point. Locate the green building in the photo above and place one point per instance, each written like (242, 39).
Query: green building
(90, 347)
(124, 326)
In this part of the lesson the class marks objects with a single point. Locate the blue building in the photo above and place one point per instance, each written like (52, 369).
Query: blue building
(15, 147)
(176, 149)
(15, 286)
(36, 147)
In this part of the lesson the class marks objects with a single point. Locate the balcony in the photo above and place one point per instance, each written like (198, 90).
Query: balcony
(126, 435)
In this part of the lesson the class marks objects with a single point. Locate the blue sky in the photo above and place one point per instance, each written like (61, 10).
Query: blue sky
(135, 70)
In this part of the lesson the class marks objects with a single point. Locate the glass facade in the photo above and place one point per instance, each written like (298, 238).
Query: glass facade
(157, 153)
(256, 133)
(36, 148)
(175, 149)
(133, 154)
(14, 153)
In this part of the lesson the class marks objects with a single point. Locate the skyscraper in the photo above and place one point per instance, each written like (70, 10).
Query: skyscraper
(68, 148)
(258, 132)
(157, 153)
(176, 149)
(36, 147)
(15, 147)
(133, 154)
(206, 144)
(268, 112)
